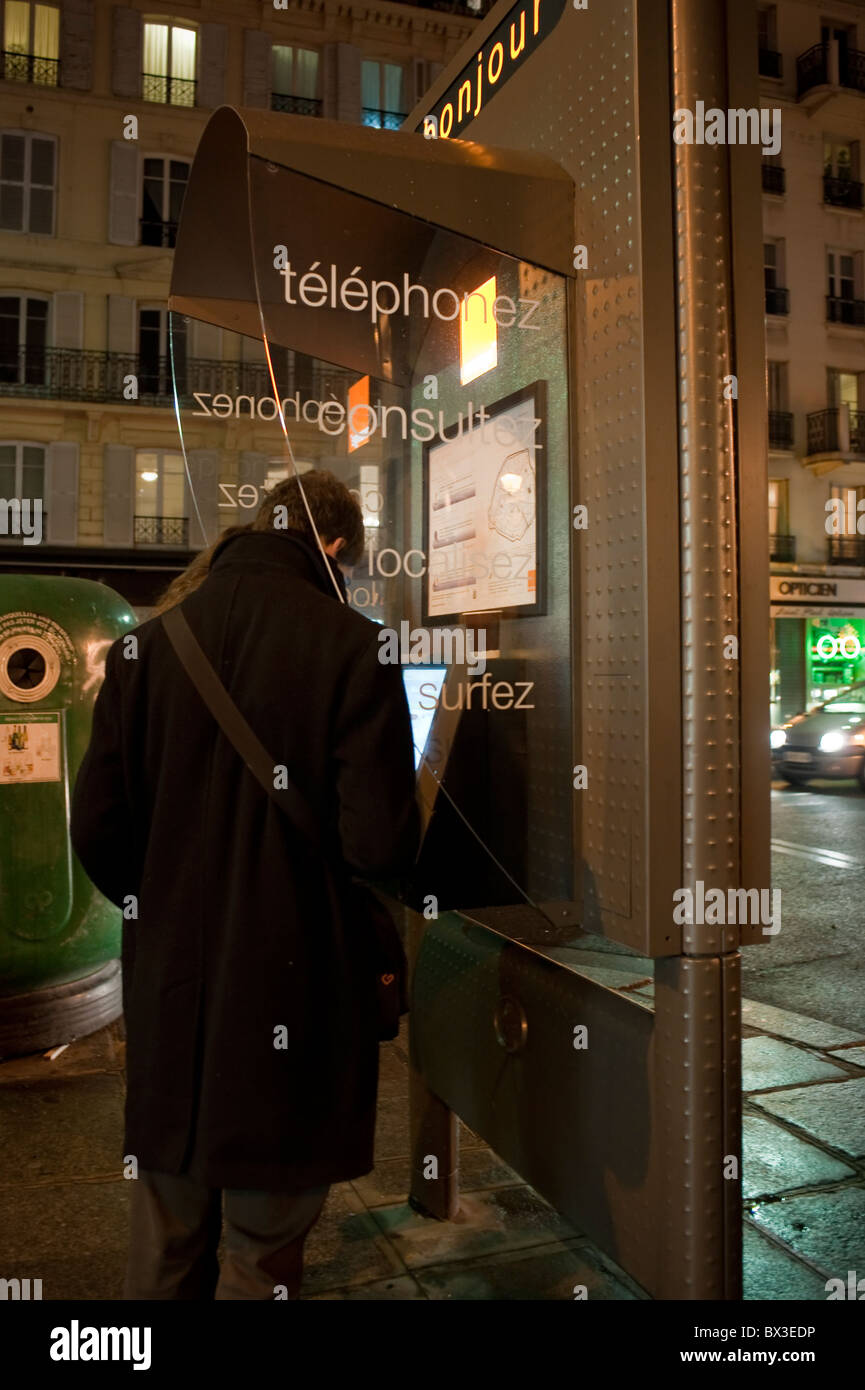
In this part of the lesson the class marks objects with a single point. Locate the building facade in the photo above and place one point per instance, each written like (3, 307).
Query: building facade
(101, 109)
(812, 66)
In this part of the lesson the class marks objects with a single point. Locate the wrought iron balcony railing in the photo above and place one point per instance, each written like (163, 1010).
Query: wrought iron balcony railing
(846, 550)
(777, 300)
(812, 69)
(26, 67)
(73, 375)
(295, 106)
(158, 233)
(782, 549)
(160, 530)
(850, 311)
(842, 193)
(771, 63)
(826, 432)
(780, 429)
(773, 178)
(170, 91)
(382, 120)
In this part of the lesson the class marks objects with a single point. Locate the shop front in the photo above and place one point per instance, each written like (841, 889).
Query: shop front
(818, 640)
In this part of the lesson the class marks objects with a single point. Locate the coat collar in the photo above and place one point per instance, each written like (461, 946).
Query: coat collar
(283, 550)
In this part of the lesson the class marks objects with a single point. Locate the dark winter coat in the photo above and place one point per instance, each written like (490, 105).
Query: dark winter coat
(239, 943)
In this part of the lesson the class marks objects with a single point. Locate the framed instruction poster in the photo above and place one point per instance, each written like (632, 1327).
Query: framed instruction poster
(483, 518)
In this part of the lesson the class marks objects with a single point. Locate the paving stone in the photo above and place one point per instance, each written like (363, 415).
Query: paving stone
(767, 1062)
(834, 1113)
(550, 1272)
(388, 1184)
(796, 1026)
(345, 1247)
(70, 1127)
(102, 1051)
(42, 1226)
(827, 1228)
(777, 1161)
(401, 1289)
(856, 1055)
(770, 1273)
(507, 1218)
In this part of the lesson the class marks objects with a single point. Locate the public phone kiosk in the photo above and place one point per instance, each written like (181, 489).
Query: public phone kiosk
(511, 338)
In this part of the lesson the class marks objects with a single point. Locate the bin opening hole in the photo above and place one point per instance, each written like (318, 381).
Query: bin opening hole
(26, 668)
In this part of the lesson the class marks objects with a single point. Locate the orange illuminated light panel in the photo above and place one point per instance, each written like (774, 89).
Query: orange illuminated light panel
(478, 340)
(359, 419)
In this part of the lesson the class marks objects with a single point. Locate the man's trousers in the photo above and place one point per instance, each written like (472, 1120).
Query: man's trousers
(175, 1230)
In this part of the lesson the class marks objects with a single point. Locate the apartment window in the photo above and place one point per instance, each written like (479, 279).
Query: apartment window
(381, 94)
(845, 37)
(31, 43)
(843, 387)
(160, 498)
(782, 546)
(23, 339)
(169, 64)
(162, 198)
(843, 281)
(767, 29)
(27, 178)
(776, 382)
(773, 276)
(22, 470)
(155, 348)
(850, 497)
(841, 158)
(295, 80)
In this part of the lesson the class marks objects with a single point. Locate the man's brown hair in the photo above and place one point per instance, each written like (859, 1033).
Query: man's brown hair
(335, 512)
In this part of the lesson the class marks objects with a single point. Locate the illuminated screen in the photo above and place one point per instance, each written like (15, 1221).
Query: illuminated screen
(422, 701)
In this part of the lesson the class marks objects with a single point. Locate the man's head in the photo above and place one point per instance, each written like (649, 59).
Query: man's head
(336, 513)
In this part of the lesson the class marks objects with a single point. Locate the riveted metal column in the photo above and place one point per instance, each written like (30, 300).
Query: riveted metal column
(710, 679)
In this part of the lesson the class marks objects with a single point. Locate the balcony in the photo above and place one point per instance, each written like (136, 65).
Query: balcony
(26, 67)
(771, 63)
(170, 91)
(157, 233)
(851, 311)
(773, 178)
(782, 550)
(295, 106)
(827, 66)
(777, 300)
(842, 193)
(382, 120)
(838, 431)
(846, 550)
(780, 429)
(67, 374)
(161, 530)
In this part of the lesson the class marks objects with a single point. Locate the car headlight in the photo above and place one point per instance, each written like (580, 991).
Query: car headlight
(778, 738)
(830, 743)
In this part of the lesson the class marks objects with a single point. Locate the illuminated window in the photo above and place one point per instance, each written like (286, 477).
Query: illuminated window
(169, 64)
(31, 43)
(478, 340)
(360, 414)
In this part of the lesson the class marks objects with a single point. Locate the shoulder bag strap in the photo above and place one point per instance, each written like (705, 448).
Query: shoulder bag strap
(232, 723)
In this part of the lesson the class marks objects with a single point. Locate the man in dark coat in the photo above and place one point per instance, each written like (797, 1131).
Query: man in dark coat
(252, 1052)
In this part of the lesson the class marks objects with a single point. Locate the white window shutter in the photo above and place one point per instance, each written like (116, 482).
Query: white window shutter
(76, 45)
(420, 73)
(126, 52)
(341, 69)
(61, 493)
(253, 469)
(212, 52)
(124, 194)
(204, 475)
(122, 324)
(205, 340)
(118, 492)
(68, 319)
(257, 63)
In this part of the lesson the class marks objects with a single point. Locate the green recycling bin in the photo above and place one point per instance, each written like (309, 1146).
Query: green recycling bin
(59, 938)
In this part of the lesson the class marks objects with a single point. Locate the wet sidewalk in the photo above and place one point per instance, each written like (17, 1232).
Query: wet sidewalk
(63, 1197)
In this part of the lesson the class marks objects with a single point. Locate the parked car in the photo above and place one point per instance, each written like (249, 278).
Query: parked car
(827, 741)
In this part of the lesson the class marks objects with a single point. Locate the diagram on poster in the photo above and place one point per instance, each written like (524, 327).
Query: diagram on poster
(482, 513)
